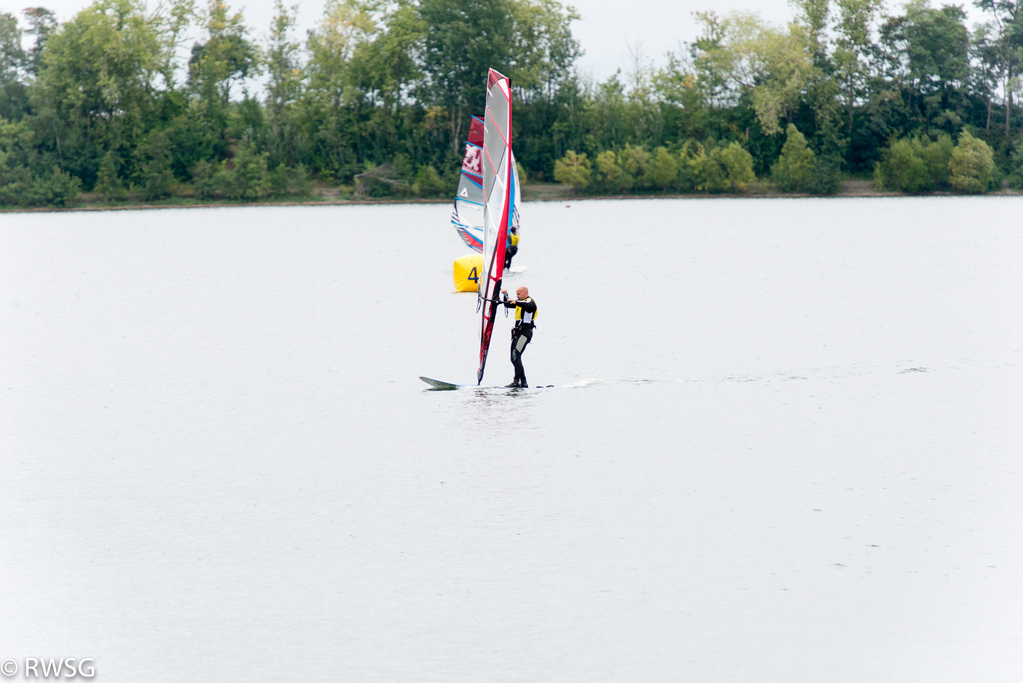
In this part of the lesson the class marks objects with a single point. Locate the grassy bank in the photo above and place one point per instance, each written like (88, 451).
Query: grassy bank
(536, 192)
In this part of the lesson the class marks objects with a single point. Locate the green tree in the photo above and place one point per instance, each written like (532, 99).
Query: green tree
(42, 22)
(635, 162)
(770, 66)
(901, 169)
(463, 40)
(277, 182)
(709, 174)
(390, 62)
(248, 179)
(13, 95)
(428, 182)
(224, 59)
(984, 52)
(95, 88)
(285, 83)
(108, 182)
(345, 25)
(854, 50)
(971, 166)
(813, 16)
(933, 48)
(328, 109)
(738, 165)
(55, 188)
(17, 157)
(155, 176)
(936, 154)
(607, 111)
(1005, 50)
(687, 180)
(573, 169)
(665, 169)
(825, 177)
(724, 167)
(300, 183)
(678, 86)
(205, 180)
(610, 177)
(1016, 166)
(796, 163)
(711, 62)
(543, 46)
(915, 164)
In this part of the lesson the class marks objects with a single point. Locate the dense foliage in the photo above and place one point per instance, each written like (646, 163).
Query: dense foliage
(114, 102)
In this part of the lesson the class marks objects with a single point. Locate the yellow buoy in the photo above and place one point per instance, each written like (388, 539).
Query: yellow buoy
(467, 273)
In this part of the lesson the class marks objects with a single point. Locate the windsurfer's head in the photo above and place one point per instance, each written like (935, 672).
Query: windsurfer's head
(522, 293)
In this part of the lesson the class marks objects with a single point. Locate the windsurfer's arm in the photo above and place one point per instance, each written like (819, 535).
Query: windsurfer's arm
(528, 307)
(507, 302)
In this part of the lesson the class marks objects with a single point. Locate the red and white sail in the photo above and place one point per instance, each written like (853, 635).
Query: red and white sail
(498, 203)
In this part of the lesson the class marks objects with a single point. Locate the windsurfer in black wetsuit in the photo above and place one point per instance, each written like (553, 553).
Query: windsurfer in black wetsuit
(512, 247)
(522, 333)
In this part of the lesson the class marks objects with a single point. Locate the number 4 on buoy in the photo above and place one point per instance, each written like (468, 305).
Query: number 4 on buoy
(467, 273)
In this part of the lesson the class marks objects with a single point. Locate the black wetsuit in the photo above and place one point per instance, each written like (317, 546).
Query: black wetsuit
(511, 249)
(521, 335)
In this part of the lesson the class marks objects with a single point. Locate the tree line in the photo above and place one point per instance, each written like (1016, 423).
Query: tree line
(119, 101)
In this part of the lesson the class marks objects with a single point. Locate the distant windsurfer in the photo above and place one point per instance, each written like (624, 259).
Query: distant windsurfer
(513, 246)
(522, 333)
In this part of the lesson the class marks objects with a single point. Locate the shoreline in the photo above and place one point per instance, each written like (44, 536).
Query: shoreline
(531, 193)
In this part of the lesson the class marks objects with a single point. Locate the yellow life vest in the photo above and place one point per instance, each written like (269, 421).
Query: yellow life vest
(524, 316)
(513, 238)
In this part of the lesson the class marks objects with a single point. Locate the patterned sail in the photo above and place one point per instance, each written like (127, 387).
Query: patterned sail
(467, 216)
(499, 195)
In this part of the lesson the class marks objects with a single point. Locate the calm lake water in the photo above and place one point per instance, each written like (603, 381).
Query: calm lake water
(783, 444)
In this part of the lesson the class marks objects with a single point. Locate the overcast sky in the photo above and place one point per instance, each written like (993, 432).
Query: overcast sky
(609, 27)
(606, 30)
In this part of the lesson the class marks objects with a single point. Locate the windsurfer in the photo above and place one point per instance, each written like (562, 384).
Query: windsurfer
(513, 246)
(522, 333)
